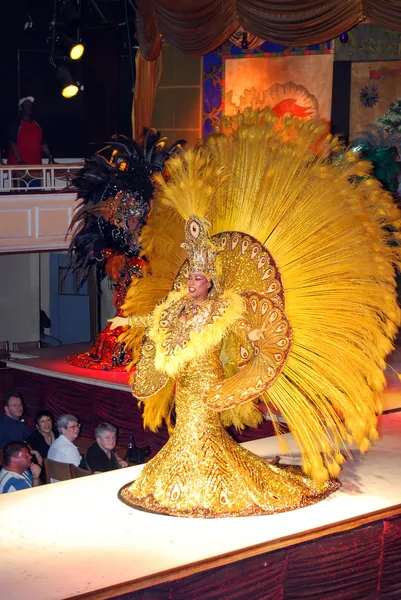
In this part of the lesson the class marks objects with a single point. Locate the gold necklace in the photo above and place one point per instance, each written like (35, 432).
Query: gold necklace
(190, 309)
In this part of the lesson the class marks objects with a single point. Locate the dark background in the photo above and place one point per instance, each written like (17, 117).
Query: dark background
(71, 126)
(76, 127)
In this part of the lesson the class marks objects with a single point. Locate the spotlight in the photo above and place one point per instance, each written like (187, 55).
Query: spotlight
(75, 48)
(69, 87)
(244, 43)
(344, 38)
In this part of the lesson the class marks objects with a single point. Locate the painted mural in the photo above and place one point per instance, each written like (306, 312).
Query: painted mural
(287, 79)
(300, 85)
(374, 87)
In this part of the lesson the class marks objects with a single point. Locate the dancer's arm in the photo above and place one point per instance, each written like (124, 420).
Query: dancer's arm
(256, 334)
(132, 321)
(241, 328)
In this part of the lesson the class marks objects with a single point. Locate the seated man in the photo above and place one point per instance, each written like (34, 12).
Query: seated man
(12, 427)
(101, 456)
(18, 472)
(63, 449)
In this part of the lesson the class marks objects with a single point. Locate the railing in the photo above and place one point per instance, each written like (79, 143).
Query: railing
(37, 178)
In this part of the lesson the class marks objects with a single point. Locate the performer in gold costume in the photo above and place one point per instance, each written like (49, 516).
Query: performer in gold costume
(299, 311)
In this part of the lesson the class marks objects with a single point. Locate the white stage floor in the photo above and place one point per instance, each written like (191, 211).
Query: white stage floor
(76, 537)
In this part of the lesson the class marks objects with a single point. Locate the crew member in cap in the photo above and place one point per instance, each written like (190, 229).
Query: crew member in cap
(26, 138)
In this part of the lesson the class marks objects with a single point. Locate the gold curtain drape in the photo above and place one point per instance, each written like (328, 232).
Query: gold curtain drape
(200, 26)
(148, 75)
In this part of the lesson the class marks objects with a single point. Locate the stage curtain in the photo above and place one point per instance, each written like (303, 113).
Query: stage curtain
(147, 30)
(386, 13)
(200, 26)
(92, 404)
(148, 75)
(351, 565)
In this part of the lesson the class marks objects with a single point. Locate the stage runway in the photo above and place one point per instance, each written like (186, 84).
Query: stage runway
(52, 362)
(76, 538)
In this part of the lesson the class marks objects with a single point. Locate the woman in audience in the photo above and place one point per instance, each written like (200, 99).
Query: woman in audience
(45, 433)
(101, 456)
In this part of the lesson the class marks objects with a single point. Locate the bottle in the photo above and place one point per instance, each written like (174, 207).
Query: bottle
(130, 449)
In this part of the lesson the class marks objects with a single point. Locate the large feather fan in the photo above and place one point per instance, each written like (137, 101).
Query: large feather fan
(334, 235)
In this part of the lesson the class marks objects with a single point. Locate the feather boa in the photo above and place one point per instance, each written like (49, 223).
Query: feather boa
(200, 342)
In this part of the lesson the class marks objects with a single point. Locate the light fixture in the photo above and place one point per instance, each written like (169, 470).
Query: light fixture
(244, 43)
(344, 38)
(69, 87)
(77, 51)
(74, 48)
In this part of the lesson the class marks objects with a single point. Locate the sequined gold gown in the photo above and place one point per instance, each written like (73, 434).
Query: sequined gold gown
(202, 471)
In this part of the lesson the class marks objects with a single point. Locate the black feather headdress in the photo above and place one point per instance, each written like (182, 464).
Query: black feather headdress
(114, 189)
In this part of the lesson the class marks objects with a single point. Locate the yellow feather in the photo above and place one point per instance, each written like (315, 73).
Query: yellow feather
(335, 239)
(158, 408)
(247, 415)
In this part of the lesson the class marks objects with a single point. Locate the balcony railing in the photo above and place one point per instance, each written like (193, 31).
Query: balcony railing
(36, 206)
(37, 178)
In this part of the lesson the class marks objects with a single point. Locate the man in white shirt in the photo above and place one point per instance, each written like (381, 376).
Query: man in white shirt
(63, 449)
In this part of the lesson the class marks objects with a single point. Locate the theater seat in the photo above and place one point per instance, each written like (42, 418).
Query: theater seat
(25, 346)
(55, 470)
(78, 472)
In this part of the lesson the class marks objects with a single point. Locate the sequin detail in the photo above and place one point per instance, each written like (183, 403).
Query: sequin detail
(218, 478)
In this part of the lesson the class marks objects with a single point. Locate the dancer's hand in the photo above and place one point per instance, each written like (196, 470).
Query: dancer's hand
(118, 322)
(256, 334)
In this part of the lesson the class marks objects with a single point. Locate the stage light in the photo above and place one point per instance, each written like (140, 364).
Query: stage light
(69, 87)
(77, 51)
(74, 48)
(344, 38)
(244, 43)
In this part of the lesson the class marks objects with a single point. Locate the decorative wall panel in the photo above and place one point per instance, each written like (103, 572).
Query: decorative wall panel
(33, 222)
(216, 76)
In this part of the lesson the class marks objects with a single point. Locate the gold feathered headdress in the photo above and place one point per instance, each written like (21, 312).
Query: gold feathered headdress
(200, 249)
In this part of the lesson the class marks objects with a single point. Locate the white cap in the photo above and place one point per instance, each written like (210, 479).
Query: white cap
(22, 100)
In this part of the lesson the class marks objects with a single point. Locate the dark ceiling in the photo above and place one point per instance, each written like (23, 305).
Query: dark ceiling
(27, 23)
(107, 27)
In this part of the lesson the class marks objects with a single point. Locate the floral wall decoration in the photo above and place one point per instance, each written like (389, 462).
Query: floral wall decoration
(286, 79)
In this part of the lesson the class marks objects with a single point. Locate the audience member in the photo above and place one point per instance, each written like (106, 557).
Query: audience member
(101, 456)
(45, 434)
(26, 138)
(46, 339)
(63, 449)
(18, 472)
(12, 426)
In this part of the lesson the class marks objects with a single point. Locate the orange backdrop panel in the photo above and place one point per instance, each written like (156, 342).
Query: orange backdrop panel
(301, 85)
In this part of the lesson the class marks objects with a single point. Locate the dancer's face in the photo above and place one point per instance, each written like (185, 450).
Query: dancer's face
(198, 286)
